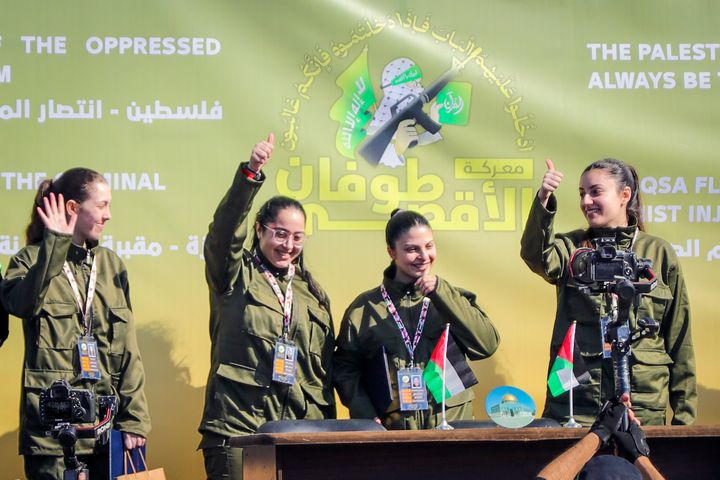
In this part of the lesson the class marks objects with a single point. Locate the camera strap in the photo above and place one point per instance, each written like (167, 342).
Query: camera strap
(85, 310)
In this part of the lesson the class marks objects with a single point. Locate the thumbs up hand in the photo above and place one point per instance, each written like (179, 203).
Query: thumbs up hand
(261, 153)
(550, 182)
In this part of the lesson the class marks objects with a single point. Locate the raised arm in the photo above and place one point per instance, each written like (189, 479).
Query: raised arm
(541, 251)
(30, 272)
(229, 228)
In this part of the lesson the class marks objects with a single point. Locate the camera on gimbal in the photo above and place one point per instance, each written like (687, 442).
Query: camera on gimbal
(616, 274)
(62, 404)
(63, 408)
(605, 264)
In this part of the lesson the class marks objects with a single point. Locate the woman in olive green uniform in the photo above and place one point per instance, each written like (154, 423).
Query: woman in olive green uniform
(404, 318)
(663, 366)
(270, 324)
(73, 294)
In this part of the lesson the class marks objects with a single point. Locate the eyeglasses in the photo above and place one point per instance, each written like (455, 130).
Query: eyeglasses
(280, 235)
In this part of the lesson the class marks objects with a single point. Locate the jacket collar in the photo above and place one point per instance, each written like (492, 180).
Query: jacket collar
(280, 273)
(398, 289)
(78, 254)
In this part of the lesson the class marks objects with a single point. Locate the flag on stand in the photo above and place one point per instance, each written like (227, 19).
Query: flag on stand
(569, 370)
(458, 375)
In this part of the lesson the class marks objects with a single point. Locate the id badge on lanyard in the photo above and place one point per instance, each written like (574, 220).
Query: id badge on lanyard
(285, 353)
(411, 386)
(88, 352)
(86, 344)
(411, 389)
(284, 361)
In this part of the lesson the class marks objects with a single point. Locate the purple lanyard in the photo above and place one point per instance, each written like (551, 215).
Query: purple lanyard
(401, 326)
(285, 300)
(86, 311)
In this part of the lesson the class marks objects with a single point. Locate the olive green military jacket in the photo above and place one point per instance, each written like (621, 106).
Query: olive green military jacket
(367, 326)
(36, 290)
(663, 367)
(246, 320)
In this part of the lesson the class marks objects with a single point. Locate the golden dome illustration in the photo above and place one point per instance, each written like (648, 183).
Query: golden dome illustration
(509, 398)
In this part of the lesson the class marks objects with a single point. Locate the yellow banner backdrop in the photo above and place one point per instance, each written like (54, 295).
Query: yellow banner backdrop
(166, 98)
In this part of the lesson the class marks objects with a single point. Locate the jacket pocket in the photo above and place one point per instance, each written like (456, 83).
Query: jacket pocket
(650, 378)
(58, 326)
(321, 343)
(119, 318)
(239, 395)
(242, 374)
(39, 379)
(655, 303)
(583, 308)
(319, 402)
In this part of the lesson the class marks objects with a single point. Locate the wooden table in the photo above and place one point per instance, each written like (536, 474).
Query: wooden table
(678, 452)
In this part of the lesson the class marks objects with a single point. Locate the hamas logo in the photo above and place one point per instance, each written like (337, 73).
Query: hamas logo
(387, 115)
(382, 135)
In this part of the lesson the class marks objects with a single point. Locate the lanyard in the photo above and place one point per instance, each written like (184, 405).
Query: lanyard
(85, 311)
(401, 326)
(285, 300)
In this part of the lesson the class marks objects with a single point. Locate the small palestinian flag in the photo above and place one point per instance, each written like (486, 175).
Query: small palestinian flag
(458, 375)
(569, 370)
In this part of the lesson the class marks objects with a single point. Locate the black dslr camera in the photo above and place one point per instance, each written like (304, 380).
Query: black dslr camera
(605, 264)
(62, 404)
(63, 408)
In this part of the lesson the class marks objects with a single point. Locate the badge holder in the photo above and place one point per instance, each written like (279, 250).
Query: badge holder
(411, 389)
(88, 352)
(284, 361)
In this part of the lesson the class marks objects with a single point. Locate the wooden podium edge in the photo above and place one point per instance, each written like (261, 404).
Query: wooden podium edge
(459, 435)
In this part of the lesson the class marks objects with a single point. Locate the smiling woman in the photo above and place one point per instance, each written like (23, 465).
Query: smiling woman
(400, 323)
(270, 323)
(73, 296)
(663, 366)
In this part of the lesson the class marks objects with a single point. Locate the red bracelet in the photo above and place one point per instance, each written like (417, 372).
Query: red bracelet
(249, 173)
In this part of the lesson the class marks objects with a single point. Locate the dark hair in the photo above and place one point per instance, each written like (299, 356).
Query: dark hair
(73, 184)
(267, 214)
(400, 222)
(624, 176)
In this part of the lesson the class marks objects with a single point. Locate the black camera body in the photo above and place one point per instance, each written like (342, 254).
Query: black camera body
(596, 267)
(62, 404)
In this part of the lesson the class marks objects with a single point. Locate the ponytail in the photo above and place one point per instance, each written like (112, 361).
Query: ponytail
(36, 228)
(314, 287)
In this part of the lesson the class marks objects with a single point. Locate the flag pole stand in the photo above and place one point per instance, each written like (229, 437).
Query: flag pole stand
(444, 425)
(571, 423)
